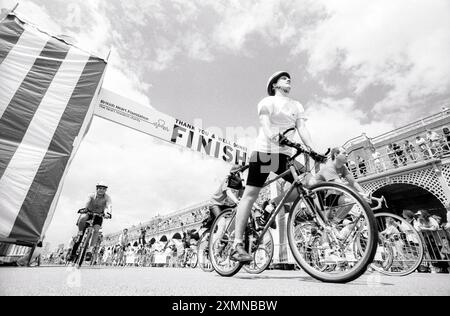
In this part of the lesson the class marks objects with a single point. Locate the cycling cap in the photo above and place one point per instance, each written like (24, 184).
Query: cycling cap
(273, 79)
(101, 184)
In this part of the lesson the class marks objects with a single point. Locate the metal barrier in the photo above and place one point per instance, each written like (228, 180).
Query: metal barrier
(437, 246)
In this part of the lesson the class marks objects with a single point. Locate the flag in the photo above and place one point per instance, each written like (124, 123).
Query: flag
(47, 92)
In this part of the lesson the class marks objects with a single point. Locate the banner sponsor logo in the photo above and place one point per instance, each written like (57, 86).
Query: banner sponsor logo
(126, 112)
(145, 119)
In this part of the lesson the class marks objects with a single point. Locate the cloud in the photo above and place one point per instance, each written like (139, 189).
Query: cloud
(197, 47)
(400, 44)
(240, 19)
(332, 122)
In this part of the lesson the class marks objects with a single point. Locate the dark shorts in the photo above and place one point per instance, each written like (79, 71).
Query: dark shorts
(261, 164)
(98, 220)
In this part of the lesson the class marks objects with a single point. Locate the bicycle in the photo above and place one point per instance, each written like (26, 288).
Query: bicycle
(314, 216)
(86, 237)
(190, 259)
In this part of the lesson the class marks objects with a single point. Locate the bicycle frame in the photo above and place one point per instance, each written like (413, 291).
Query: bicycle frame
(86, 239)
(295, 185)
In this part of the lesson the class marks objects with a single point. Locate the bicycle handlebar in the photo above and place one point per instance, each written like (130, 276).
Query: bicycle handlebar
(86, 211)
(321, 158)
(242, 169)
(379, 202)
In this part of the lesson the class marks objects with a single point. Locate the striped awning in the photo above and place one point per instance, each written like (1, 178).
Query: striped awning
(47, 92)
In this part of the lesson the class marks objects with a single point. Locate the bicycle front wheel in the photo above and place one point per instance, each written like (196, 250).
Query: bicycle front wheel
(220, 245)
(323, 228)
(82, 249)
(401, 242)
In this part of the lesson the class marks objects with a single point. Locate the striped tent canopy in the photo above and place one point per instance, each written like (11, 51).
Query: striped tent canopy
(47, 92)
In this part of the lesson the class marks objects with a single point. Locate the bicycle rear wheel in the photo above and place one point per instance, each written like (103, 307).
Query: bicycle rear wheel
(203, 254)
(221, 242)
(323, 228)
(262, 256)
(404, 245)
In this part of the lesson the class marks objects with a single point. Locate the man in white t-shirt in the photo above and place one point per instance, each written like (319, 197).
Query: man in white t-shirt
(277, 113)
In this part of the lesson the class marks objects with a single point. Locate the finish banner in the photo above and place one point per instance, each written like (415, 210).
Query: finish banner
(126, 112)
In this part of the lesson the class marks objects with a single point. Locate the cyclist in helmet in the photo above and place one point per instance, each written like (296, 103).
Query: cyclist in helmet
(227, 195)
(100, 204)
(277, 113)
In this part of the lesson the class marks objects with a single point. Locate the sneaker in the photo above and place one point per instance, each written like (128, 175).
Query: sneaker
(238, 253)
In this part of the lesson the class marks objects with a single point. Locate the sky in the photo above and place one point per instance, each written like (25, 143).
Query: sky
(356, 65)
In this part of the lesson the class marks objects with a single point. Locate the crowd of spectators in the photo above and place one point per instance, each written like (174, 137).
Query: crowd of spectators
(435, 231)
(430, 145)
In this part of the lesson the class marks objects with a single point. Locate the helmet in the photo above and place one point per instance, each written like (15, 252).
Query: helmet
(101, 184)
(273, 79)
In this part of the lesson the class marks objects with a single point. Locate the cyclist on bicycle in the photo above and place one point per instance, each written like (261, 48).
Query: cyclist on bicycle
(190, 239)
(335, 170)
(277, 113)
(97, 206)
(226, 196)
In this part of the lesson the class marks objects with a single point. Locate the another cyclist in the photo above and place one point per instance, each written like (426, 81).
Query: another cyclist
(98, 204)
(190, 240)
(336, 170)
(277, 113)
(226, 196)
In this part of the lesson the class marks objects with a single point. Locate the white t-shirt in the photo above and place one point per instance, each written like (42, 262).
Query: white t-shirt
(433, 136)
(376, 156)
(283, 114)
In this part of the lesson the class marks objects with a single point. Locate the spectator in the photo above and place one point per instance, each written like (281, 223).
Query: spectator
(410, 237)
(392, 155)
(425, 222)
(446, 140)
(445, 249)
(400, 154)
(410, 150)
(447, 226)
(423, 147)
(379, 165)
(362, 165)
(433, 141)
(408, 215)
(352, 167)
